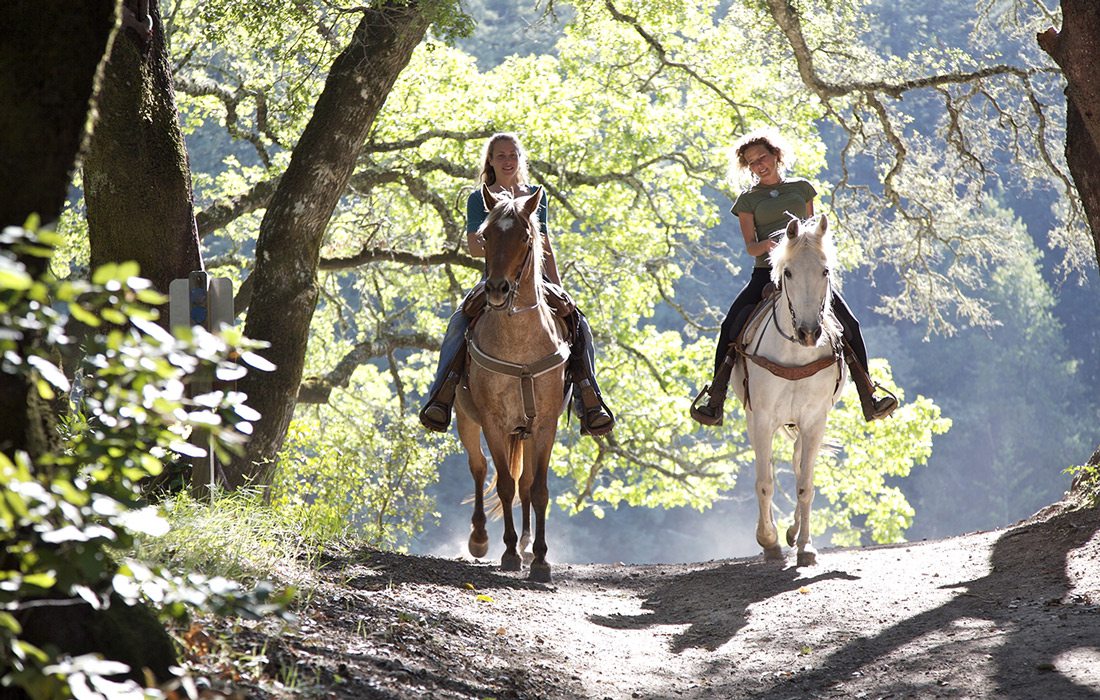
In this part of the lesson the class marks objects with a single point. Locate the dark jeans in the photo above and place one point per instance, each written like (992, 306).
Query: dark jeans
(750, 296)
(454, 342)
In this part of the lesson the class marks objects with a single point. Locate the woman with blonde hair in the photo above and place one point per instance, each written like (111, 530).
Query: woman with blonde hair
(504, 169)
(763, 212)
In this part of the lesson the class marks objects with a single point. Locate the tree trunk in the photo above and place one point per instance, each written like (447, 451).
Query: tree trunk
(137, 181)
(50, 52)
(288, 248)
(1076, 50)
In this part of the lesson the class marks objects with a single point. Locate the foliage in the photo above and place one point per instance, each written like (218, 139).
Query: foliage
(342, 476)
(69, 514)
(1086, 480)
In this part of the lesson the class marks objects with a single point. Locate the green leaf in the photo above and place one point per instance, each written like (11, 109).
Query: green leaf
(83, 315)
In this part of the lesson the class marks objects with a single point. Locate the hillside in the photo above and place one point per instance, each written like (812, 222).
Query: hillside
(1013, 613)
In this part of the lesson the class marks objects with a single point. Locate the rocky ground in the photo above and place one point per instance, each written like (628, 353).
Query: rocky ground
(1013, 613)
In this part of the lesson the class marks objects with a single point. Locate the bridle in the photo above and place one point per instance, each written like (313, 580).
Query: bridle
(528, 261)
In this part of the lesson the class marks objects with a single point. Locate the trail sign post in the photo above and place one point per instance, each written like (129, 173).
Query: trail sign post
(207, 302)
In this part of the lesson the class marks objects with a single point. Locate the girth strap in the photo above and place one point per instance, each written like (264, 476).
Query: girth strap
(793, 373)
(525, 373)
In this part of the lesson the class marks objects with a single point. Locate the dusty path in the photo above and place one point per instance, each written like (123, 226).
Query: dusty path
(1013, 613)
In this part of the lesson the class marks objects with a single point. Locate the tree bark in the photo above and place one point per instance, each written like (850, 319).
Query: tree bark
(289, 244)
(50, 52)
(137, 181)
(1076, 50)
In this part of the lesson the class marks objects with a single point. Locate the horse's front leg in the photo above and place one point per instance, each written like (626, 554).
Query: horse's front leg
(809, 445)
(506, 492)
(760, 436)
(469, 432)
(540, 500)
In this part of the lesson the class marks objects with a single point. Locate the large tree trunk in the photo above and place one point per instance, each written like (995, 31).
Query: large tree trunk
(288, 250)
(50, 52)
(1076, 50)
(137, 181)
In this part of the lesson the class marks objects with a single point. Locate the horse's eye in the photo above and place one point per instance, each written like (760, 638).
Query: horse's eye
(787, 274)
(825, 273)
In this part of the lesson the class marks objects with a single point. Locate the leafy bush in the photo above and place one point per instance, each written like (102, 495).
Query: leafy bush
(73, 504)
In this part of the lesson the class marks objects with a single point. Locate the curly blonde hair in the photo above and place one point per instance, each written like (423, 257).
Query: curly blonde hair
(770, 139)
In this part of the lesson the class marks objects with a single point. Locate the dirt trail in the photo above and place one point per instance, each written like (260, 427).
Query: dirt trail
(1013, 613)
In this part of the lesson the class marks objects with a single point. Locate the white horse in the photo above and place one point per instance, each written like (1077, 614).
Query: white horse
(789, 374)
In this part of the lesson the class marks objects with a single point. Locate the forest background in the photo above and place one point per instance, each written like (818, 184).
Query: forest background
(319, 154)
(967, 262)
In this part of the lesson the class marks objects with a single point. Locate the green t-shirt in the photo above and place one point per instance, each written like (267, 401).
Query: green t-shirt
(770, 204)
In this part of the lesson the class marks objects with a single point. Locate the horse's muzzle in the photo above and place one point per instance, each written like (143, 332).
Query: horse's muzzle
(808, 336)
(497, 293)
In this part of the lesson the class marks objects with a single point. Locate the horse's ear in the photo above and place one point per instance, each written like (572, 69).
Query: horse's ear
(792, 229)
(822, 225)
(488, 197)
(531, 202)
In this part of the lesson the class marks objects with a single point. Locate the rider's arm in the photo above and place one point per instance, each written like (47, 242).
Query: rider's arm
(549, 262)
(748, 232)
(475, 216)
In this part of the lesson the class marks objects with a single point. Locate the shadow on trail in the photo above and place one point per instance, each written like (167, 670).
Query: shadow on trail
(372, 570)
(713, 602)
(1023, 597)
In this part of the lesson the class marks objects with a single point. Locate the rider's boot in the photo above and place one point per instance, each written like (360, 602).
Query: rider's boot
(596, 418)
(711, 412)
(436, 413)
(874, 408)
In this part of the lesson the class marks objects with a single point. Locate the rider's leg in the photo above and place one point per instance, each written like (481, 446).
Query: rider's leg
(596, 417)
(711, 411)
(436, 413)
(874, 407)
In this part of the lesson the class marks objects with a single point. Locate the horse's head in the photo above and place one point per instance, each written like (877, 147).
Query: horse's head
(513, 246)
(802, 267)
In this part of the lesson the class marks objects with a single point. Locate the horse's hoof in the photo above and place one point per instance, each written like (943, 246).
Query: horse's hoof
(540, 573)
(792, 532)
(807, 558)
(767, 540)
(511, 562)
(773, 553)
(478, 546)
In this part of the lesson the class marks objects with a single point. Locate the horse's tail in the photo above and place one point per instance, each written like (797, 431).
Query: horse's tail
(493, 504)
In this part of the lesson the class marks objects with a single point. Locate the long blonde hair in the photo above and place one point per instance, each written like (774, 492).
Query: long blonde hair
(487, 174)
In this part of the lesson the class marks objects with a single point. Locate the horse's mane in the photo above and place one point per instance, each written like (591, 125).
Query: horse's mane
(822, 245)
(788, 247)
(507, 205)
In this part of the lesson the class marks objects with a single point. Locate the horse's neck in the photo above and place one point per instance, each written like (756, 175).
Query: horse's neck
(525, 328)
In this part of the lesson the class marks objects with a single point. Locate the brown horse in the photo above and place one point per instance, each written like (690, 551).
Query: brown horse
(515, 380)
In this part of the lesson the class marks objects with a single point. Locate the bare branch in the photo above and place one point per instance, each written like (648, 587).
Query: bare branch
(318, 389)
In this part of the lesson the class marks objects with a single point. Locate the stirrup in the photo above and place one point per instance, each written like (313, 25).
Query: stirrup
(698, 412)
(436, 416)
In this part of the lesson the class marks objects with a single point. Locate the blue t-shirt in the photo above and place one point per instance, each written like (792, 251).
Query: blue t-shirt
(476, 212)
